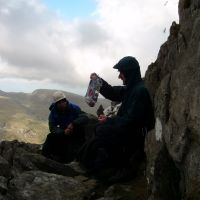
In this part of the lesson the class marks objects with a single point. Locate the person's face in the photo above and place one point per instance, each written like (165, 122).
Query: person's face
(62, 105)
(122, 77)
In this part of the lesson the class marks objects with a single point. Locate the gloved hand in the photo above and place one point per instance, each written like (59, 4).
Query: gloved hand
(93, 76)
(102, 118)
(69, 129)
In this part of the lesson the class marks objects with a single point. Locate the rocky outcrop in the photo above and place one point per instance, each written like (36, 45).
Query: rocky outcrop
(40, 185)
(27, 175)
(173, 147)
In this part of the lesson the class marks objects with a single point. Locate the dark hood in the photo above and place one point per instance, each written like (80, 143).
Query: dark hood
(130, 67)
(52, 106)
(132, 76)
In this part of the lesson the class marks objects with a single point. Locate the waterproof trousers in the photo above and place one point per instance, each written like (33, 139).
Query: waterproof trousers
(111, 146)
(63, 148)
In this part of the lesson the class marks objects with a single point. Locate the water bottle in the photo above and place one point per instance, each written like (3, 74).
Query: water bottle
(92, 93)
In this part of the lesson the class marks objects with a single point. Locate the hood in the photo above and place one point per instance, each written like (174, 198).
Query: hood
(132, 76)
(52, 106)
(131, 70)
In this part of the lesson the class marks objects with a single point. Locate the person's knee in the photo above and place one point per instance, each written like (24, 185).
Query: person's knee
(102, 130)
(51, 136)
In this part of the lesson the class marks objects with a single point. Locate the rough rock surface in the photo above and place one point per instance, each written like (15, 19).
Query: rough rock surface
(27, 175)
(41, 185)
(173, 80)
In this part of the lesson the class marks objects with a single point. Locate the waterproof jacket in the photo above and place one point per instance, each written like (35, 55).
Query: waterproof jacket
(136, 109)
(58, 122)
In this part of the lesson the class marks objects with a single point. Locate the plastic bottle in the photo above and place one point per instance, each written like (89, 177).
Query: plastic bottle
(92, 93)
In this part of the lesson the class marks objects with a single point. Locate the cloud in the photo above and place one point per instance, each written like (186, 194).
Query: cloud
(91, 34)
(33, 43)
(38, 45)
(136, 26)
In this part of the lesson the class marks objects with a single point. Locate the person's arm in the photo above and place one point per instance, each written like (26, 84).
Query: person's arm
(113, 93)
(81, 119)
(53, 124)
(55, 128)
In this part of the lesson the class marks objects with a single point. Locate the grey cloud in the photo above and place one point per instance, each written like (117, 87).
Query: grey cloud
(24, 44)
(22, 16)
(25, 55)
(58, 76)
(30, 45)
(37, 47)
(91, 34)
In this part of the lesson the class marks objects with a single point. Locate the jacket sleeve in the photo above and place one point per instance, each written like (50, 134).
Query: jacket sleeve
(135, 116)
(55, 129)
(113, 93)
(53, 125)
(81, 119)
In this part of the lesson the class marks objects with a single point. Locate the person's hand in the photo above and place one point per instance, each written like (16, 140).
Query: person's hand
(69, 129)
(102, 118)
(93, 76)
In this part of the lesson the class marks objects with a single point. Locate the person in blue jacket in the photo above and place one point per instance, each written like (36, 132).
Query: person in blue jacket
(66, 125)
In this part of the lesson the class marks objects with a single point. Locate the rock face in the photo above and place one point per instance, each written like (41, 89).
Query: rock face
(41, 185)
(26, 175)
(173, 147)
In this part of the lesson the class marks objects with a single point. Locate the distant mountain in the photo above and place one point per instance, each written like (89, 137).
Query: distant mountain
(23, 116)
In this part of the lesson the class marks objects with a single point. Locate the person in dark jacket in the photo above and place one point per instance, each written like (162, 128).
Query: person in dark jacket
(66, 125)
(120, 138)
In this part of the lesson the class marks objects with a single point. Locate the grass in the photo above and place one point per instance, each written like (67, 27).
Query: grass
(24, 128)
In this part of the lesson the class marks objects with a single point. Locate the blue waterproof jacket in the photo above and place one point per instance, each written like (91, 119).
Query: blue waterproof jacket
(58, 122)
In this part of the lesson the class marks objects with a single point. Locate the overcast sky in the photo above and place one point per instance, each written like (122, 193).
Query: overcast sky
(56, 44)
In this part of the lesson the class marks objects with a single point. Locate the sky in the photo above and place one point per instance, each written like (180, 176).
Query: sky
(57, 44)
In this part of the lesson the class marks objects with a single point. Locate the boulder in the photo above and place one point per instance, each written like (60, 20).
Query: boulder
(3, 185)
(8, 149)
(4, 167)
(26, 161)
(39, 185)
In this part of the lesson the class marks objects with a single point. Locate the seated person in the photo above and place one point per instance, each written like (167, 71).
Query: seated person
(66, 125)
(120, 138)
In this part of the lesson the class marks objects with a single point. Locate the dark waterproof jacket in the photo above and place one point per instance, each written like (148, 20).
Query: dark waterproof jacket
(136, 109)
(58, 122)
